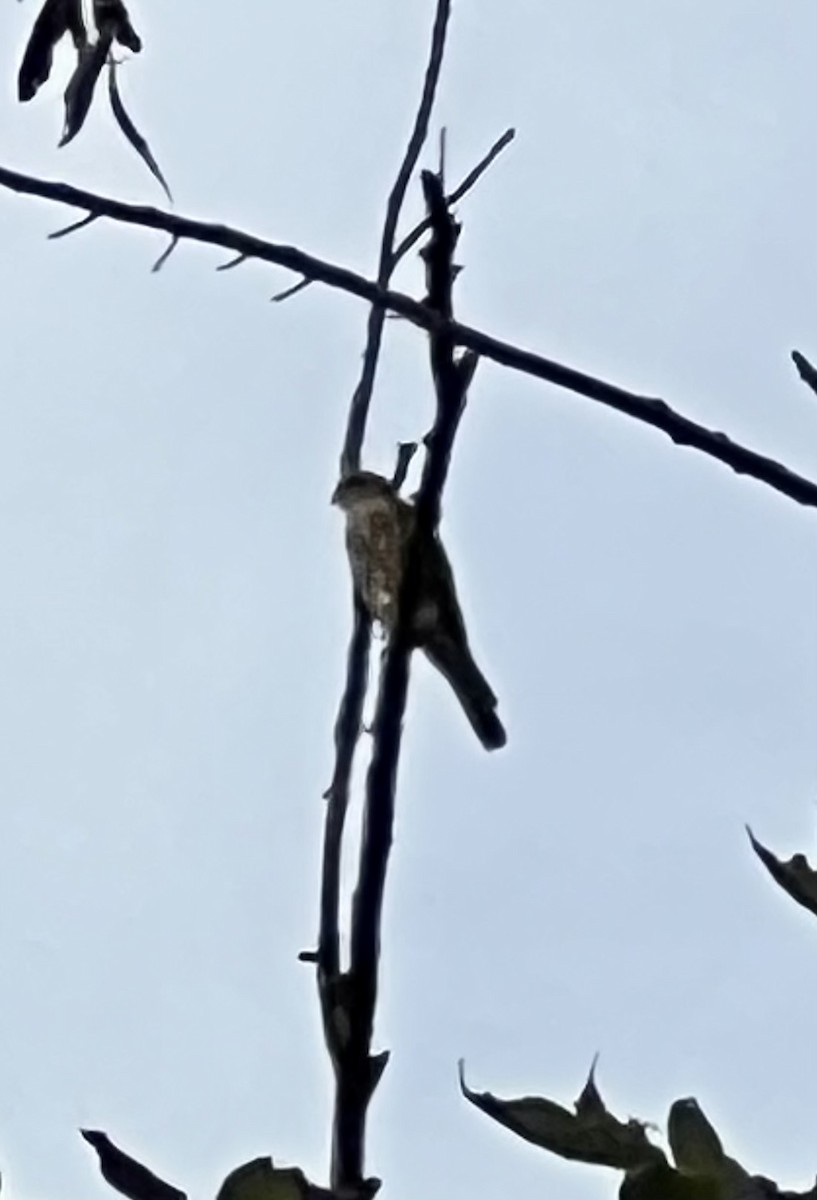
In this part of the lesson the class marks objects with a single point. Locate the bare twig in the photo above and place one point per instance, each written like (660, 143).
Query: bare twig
(136, 139)
(482, 166)
(411, 239)
(59, 233)
(291, 291)
(405, 453)
(165, 255)
(232, 263)
(654, 412)
(361, 400)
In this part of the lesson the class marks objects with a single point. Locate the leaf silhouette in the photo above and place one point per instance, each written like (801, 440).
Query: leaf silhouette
(111, 16)
(806, 370)
(131, 132)
(55, 18)
(80, 90)
(794, 876)
(591, 1134)
(128, 1176)
(260, 1180)
(700, 1157)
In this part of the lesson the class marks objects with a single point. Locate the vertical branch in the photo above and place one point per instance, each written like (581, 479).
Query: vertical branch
(347, 731)
(360, 1071)
(451, 376)
(348, 1000)
(361, 400)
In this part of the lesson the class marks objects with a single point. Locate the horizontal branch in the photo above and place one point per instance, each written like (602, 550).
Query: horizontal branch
(651, 411)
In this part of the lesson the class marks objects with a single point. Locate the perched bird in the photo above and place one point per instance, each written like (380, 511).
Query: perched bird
(379, 525)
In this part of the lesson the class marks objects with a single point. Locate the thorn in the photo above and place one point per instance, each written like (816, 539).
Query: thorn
(290, 291)
(165, 255)
(234, 262)
(58, 233)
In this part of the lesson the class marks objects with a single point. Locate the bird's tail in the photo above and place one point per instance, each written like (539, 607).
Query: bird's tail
(472, 690)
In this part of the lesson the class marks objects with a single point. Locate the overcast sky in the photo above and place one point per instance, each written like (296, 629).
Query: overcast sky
(175, 606)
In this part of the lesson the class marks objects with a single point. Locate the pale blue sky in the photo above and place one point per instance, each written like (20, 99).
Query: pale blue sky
(174, 606)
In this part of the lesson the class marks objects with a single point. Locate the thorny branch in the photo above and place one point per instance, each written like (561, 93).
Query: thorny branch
(650, 410)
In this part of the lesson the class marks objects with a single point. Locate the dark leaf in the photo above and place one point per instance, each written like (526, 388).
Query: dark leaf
(591, 1134)
(590, 1101)
(805, 369)
(111, 16)
(695, 1145)
(795, 876)
(260, 1180)
(131, 132)
(811, 1194)
(80, 91)
(659, 1181)
(699, 1156)
(55, 18)
(127, 1175)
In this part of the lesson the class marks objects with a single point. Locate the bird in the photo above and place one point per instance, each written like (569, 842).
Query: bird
(379, 527)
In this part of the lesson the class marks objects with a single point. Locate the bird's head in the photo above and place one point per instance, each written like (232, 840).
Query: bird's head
(360, 486)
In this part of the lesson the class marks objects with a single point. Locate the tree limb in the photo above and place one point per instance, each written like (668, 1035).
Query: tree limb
(651, 411)
(356, 1082)
(361, 400)
(461, 190)
(348, 1017)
